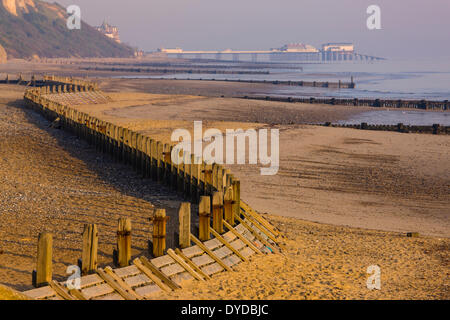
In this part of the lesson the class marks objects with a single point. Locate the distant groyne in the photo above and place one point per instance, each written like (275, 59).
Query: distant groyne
(377, 103)
(400, 127)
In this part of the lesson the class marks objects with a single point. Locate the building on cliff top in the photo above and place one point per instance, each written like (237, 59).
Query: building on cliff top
(109, 31)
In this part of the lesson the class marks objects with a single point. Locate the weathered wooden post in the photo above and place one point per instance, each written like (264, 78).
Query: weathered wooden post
(159, 232)
(436, 128)
(217, 209)
(167, 164)
(160, 161)
(123, 253)
(208, 179)
(42, 276)
(180, 175)
(204, 212)
(195, 176)
(148, 158)
(236, 184)
(174, 171)
(187, 175)
(90, 247)
(215, 176)
(184, 214)
(228, 206)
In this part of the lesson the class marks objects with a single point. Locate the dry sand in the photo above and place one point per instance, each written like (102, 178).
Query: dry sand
(376, 180)
(51, 181)
(330, 262)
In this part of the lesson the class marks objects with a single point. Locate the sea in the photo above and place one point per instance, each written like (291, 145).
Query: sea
(386, 79)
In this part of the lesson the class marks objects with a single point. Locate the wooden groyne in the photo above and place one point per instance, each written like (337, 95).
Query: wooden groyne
(143, 278)
(20, 80)
(376, 103)
(53, 83)
(213, 187)
(400, 127)
(314, 84)
(172, 71)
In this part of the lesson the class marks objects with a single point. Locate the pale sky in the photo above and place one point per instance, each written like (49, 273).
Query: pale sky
(410, 28)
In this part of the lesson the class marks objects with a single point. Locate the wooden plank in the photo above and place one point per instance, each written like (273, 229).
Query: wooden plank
(186, 266)
(96, 291)
(222, 252)
(212, 244)
(137, 280)
(184, 214)
(60, 290)
(117, 286)
(213, 269)
(44, 260)
(229, 236)
(242, 237)
(40, 293)
(257, 236)
(259, 226)
(151, 276)
(147, 291)
(111, 297)
(203, 260)
(179, 278)
(232, 260)
(159, 274)
(172, 269)
(162, 261)
(122, 283)
(260, 219)
(238, 244)
(247, 252)
(90, 280)
(77, 294)
(192, 251)
(191, 264)
(209, 252)
(127, 271)
(226, 244)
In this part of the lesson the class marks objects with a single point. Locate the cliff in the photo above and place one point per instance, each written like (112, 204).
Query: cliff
(35, 28)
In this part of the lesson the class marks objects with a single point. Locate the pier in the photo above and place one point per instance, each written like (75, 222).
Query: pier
(289, 53)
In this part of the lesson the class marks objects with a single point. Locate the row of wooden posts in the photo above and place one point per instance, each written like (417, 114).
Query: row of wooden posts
(148, 156)
(213, 187)
(122, 254)
(71, 81)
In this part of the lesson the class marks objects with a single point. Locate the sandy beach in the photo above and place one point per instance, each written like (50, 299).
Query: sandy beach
(367, 189)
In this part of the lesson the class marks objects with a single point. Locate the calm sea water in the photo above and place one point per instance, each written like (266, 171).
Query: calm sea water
(395, 116)
(390, 79)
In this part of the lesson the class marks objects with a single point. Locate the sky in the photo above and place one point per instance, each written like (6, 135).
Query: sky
(409, 28)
